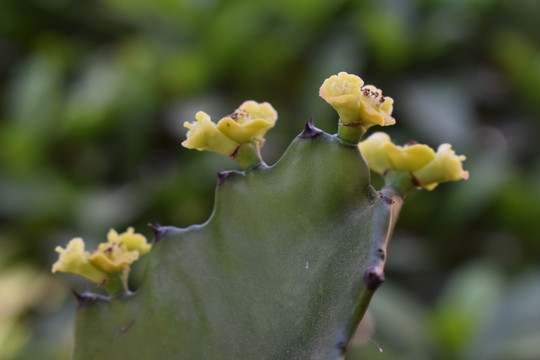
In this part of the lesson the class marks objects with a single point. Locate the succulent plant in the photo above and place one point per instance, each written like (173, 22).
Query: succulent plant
(287, 263)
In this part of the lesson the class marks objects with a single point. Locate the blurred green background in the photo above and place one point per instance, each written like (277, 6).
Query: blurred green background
(94, 95)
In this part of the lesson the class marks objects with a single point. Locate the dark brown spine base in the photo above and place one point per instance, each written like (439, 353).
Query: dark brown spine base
(373, 278)
(310, 131)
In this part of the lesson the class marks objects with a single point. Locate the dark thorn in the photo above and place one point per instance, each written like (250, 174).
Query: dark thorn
(84, 298)
(341, 347)
(159, 231)
(381, 253)
(373, 278)
(387, 199)
(371, 194)
(310, 131)
(128, 293)
(235, 152)
(415, 181)
(223, 176)
(81, 300)
(127, 326)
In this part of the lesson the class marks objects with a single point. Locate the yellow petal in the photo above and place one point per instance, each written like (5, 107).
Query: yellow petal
(112, 258)
(342, 92)
(339, 85)
(74, 259)
(255, 111)
(204, 135)
(375, 156)
(132, 240)
(249, 122)
(245, 132)
(375, 109)
(445, 166)
(408, 158)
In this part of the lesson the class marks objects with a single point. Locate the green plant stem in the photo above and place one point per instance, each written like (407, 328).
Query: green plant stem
(402, 181)
(114, 285)
(309, 228)
(351, 132)
(248, 155)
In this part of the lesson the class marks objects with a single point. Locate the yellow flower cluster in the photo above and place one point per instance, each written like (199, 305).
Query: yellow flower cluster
(356, 102)
(429, 168)
(110, 258)
(249, 122)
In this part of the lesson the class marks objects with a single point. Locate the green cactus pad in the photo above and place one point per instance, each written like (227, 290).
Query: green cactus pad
(284, 268)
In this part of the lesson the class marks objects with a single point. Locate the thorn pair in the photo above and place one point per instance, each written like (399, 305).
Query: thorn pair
(159, 231)
(310, 131)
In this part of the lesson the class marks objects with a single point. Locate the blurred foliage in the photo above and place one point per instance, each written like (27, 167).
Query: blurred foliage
(94, 94)
(479, 314)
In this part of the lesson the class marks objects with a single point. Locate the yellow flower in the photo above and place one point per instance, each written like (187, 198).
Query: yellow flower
(113, 257)
(445, 166)
(132, 240)
(110, 259)
(249, 122)
(383, 155)
(428, 168)
(356, 103)
(203, 134)
(74, 259)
